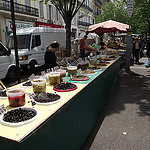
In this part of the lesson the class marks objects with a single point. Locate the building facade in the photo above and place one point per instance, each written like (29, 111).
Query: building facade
(34, 14)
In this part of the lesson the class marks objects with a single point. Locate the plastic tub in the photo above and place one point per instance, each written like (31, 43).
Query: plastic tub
(39, 85)
(72, 70)
(54, 78)
(16, 97)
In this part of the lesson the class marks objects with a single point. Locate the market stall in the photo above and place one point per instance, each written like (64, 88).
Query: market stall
(67, 123)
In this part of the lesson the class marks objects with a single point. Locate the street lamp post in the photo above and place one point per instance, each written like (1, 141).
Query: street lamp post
(15, 40)
(130, 7)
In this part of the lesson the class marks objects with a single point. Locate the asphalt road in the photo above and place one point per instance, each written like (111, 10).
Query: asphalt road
(24, 75)
(124, 123)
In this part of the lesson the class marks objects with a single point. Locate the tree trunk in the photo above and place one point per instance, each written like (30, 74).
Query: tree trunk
(68, 39)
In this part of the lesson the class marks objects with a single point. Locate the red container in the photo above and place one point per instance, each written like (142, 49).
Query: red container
(16, 97)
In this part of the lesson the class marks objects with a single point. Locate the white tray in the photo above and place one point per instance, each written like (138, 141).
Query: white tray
(19, 123)
(48, 103)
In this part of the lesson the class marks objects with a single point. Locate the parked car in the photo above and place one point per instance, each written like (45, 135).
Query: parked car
(7, 64)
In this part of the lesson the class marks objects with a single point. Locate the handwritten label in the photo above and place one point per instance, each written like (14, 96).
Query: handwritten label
(2, 109)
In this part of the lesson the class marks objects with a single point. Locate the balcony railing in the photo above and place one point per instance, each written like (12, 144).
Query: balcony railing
(87, 7)
(19, 8)
(84, 23)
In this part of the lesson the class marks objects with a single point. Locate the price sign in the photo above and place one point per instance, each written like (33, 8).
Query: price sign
(130, 7)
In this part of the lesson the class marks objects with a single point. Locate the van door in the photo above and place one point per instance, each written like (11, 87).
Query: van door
(5, 61)
(37, 49)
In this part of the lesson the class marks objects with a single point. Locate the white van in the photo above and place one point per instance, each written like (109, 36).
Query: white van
(32, 43)
(7, 64)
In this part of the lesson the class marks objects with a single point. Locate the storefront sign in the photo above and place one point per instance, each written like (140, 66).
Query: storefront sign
(41, 24)
(19, 24)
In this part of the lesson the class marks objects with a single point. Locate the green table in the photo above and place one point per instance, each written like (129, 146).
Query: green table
(69, 127)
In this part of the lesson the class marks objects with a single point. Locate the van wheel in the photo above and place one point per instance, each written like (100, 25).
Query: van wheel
(12, 75)
(32, 66)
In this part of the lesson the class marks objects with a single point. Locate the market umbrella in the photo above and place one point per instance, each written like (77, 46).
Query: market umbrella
(107, 26)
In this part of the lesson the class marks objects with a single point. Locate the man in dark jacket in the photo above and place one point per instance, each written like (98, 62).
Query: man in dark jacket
(50, 57)
(136, 49)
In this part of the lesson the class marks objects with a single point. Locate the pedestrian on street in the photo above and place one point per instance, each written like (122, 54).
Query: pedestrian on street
(50, 57)
(136, 50)
(82, 46)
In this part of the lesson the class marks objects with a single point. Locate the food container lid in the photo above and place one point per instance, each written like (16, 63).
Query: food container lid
(15, 92)
(38, 81)
(53, 74)
(72, 67)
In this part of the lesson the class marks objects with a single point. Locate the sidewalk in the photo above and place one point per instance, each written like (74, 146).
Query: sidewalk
(124, 123)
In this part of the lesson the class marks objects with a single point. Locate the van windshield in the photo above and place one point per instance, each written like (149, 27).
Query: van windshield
(22, 40)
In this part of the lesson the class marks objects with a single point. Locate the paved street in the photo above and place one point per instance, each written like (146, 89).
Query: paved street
(124, 123)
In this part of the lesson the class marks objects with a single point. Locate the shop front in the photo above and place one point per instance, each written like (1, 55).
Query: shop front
(42, 24)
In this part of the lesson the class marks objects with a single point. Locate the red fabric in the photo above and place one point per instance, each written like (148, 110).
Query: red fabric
(82, 44)
(108, 26)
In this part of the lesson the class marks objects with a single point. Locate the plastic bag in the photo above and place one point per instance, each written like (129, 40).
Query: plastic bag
(147, 63)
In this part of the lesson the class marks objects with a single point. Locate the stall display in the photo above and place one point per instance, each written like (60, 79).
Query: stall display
(46, 98)
(65, 87)
(79, 78)
(88, 72)
(59, 117)
(19, 116)
(95, 68)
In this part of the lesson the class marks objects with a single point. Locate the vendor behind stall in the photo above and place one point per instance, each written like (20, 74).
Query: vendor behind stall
(82, 46)
(50, 57)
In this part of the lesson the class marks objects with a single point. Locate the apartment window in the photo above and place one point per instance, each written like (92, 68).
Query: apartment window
(41, 10)
(27, 2)
(49, 7)
(89, 19)
(56, 14)
(18, 1)
(75, 20)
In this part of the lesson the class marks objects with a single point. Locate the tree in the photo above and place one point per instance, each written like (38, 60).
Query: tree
(67, 9)
(115, 10)
(141, 17)
(140, 20)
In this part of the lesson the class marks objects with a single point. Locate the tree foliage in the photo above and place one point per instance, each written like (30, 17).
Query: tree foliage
(141, 17)
(117, 10)
(114, 11)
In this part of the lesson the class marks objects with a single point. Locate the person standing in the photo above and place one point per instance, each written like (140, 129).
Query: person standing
(136, 49)
(82, 46)
(50, 57)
